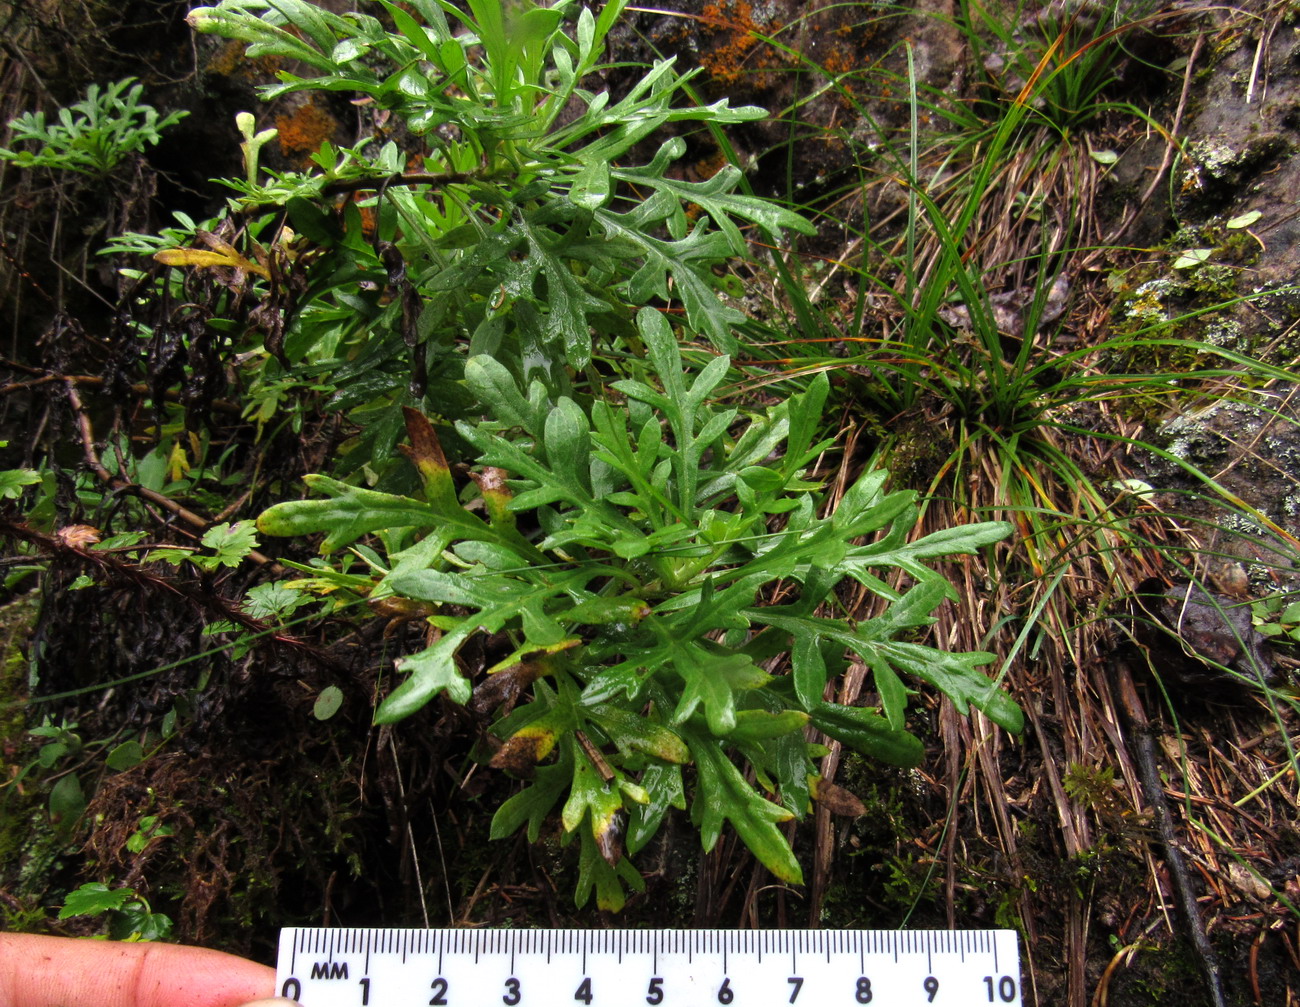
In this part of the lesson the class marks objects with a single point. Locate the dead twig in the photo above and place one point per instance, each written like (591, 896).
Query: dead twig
(110, 565)
(92, 381)
(126, 486)
(1149, 771)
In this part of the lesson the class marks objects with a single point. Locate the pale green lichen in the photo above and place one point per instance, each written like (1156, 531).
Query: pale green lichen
(1147, 305)
(1224, 332)
(1195, 436)
(1208, 160)
(1241, 526)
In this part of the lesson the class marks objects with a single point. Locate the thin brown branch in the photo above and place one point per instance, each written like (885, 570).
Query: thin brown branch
(92, 381)
(111, 565)
(121, 485)
(1149, 771)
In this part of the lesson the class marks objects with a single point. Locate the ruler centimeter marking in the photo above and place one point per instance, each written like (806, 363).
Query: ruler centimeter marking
(375, 967)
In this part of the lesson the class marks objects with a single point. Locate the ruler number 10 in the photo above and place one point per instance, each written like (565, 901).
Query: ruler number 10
(1006, 988)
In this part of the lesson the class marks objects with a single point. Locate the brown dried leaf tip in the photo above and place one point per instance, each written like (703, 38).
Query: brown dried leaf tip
(525, 749)
(430, 460)
(496, 495)
(609, 837)
(502, 688)
(835, 798)
(399, 612)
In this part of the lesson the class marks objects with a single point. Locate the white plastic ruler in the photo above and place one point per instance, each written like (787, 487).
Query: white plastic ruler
(659, 968)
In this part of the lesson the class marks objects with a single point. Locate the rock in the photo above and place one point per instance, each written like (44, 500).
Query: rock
(1215, 636)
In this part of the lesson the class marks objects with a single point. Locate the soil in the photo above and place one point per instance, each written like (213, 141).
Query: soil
(274, 817)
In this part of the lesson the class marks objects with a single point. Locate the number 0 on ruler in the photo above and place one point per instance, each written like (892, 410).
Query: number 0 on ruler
(660, 968)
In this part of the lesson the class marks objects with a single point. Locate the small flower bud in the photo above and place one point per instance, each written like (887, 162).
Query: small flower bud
(202, 19)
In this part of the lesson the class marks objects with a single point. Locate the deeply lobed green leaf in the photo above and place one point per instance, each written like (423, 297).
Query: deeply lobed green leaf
(613, 554)
(636, 613)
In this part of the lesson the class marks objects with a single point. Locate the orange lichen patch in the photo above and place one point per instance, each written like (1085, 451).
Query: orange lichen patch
(839, 62)
(740, 50)
(227, 60)
(302, 131)
(705, 168)
(852, 60)
(232, 61)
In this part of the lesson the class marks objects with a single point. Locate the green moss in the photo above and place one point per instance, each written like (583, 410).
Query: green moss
(40, 854)
(16, 620)
(918, 452)
(1159, 973)
(879, 877)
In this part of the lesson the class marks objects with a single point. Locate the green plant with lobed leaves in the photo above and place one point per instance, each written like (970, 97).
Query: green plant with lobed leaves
(127, 913)
(511, 224)
(620, 569)
(623, 549)
(92, 136)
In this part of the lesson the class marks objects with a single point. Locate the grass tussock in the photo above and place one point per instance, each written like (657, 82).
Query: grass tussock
(967, 319)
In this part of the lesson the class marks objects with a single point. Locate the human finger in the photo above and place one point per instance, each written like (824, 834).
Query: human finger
(65, 972)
